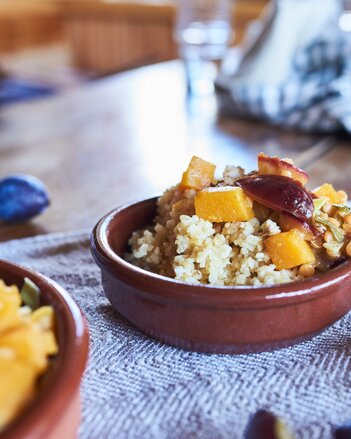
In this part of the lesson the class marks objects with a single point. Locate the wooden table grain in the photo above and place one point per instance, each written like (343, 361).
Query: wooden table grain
(130, 136)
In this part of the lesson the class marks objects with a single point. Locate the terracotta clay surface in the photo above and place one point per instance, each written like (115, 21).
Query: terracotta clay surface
(206, 318)
(54, 413)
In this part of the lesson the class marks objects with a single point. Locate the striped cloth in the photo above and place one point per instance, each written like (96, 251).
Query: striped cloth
(314, 95)
(136, 387)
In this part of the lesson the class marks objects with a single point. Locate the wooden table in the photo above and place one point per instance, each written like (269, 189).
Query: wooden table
(110, 36)
(26, 24)
(130, 136)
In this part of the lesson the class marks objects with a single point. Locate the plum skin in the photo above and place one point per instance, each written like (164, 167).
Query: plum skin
(266, 425)
(261, 426)
(22, 197)
(287, 222)
(278, 166)
(343, 432)
(279, 193)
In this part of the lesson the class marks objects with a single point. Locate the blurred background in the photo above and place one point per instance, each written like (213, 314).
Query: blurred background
(94, 95)
(59, 43)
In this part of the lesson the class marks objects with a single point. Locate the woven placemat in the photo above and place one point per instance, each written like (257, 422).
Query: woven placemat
(135, 387)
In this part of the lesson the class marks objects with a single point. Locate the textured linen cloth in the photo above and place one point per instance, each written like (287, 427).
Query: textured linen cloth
(295, 71)
(135, 387)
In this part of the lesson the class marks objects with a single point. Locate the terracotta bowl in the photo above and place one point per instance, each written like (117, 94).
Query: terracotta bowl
(208, 318)
(54, 413)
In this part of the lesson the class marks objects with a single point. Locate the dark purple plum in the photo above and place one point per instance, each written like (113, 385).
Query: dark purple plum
(21, 198)
(278, 166)
(287, 222)
(279, 193)
(265, 425)
(343, 432)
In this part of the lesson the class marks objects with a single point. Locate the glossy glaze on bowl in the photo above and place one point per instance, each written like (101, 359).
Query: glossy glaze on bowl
(207, 318)
(54, 413)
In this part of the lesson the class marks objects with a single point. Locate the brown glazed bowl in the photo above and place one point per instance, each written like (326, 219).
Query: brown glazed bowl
(206, 318)
(54, 412)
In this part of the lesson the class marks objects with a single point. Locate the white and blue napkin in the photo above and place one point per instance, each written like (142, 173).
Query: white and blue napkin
(295, 69)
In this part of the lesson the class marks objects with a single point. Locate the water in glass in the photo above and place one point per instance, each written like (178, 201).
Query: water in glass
(203, 32)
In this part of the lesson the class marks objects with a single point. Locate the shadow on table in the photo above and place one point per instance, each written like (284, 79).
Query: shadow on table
(17, 231)
(113, 317)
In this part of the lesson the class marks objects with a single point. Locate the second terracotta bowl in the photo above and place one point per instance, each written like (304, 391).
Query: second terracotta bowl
(207, 318)
(55, 410)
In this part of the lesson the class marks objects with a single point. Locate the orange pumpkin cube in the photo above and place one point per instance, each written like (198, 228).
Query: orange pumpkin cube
(17, 386)
(289, 249)
(10, 301)
(29, 345)
(327, 190)
(199, 174)
(223, 204)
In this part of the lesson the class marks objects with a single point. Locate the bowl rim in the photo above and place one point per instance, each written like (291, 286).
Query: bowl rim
(42, 412)
(155, 285)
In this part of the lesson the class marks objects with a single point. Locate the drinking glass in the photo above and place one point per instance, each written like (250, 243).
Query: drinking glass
(203, 32)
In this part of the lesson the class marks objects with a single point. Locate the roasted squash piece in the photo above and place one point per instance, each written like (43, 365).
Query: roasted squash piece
(29, 345)
(223, 204)
(327, 190)
(44, 317)
(17, 386)
(289, 249)
(9, 305)
(199, 174)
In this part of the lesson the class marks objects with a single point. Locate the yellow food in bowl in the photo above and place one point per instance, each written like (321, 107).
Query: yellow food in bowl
(27, 340)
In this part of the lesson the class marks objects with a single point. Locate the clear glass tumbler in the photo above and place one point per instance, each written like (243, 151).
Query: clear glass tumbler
(203, 32)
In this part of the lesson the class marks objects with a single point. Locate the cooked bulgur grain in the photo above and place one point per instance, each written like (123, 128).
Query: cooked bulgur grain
(184, 246)
(191, 249)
